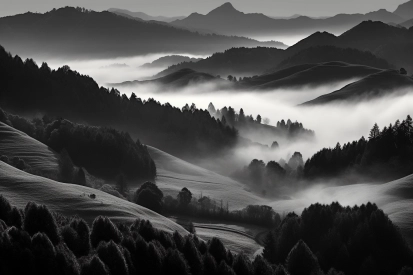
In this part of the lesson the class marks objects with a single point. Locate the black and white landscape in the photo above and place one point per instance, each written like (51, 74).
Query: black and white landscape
(160, 137)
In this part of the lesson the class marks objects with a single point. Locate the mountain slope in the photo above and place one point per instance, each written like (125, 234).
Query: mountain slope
(311, 75)
(407, 24)
(227, 20)
(145, 16)
(405, 10)
(70, 32)
(382, 83)
(14, 143)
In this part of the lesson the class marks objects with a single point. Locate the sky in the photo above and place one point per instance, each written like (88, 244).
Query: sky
(186, 7)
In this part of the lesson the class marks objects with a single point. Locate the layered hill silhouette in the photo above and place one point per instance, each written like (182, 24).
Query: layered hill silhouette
(384, 83)
(227, 20)
(78, 32)
(169, 60)
(144, 16)
(258, 61)
(236, 61)
(180, 78)
(309, 75)
(405, 10)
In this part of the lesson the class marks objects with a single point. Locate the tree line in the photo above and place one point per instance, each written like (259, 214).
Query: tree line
(185, 204)
(387, 154)
(28, 88)
(240, 120)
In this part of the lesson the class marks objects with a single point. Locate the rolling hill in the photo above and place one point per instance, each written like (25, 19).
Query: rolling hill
(169, 60)
(68, 32)
(175, 174)
(384, 83)
(227, 20)
(235, 61)
(70, 199)
(178, 79)
(14, 143)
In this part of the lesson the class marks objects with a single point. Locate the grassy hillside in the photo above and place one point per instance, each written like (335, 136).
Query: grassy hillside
(14, 143)
(175, 174)
(70, 199)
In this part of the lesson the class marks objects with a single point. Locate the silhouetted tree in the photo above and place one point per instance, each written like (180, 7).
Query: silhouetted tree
(184, 197)
(149, 196)
(104, 230)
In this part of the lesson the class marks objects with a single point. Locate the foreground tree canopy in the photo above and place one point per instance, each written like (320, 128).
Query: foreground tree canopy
(358, 240)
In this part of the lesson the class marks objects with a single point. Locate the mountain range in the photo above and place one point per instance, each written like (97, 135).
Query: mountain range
(144, 16)
(169, 60)
(369, 43)
(69, 32)
(227, 20)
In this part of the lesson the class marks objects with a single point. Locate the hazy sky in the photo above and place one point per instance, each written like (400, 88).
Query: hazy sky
(185, 7)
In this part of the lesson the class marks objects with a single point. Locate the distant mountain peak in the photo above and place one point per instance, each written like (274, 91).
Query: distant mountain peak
(405, 10)
(226, 8)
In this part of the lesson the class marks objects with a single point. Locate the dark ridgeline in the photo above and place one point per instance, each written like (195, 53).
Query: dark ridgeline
(227, 20)
(379, 84)
(178, 79)
(144, 16)
(169, 60)
(235, 61)
(28, 89)
(102, 151)
(76, 32)
(326, 238)
(386, 155)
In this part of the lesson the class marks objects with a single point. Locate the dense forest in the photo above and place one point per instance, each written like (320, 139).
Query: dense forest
(386, 155)
(246, 123)
(353, 240)
(358, 240)
(28, 89)
(102, 151)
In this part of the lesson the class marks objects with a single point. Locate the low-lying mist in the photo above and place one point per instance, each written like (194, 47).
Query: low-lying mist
(332, 123)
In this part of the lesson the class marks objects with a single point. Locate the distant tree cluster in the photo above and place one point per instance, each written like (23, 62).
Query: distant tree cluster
(338, 240)
(205, 207)
(65, 93)
(104, 151)
(386, 155)
(240, 120)
(273, 174)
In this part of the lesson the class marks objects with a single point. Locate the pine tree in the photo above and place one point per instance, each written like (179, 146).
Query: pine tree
(374, 132)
